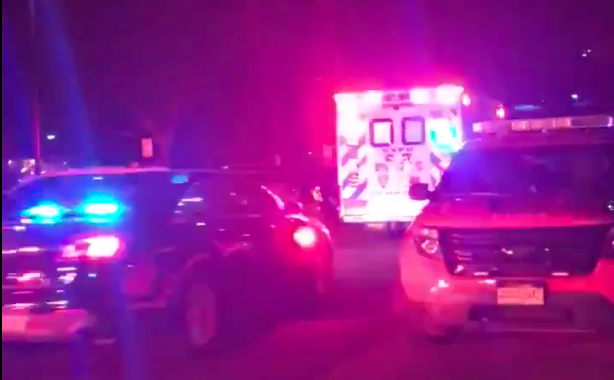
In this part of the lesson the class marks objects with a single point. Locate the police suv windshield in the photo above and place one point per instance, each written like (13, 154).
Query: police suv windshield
(586, 170)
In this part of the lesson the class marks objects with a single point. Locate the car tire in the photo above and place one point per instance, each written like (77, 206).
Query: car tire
(200, 316)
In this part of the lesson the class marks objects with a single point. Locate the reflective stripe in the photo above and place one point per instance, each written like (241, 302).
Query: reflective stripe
(352, 158)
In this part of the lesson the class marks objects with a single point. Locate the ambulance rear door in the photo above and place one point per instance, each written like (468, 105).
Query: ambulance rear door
(400, 156)
(387, 141)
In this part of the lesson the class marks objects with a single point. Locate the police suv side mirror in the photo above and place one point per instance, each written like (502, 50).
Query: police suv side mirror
(419, 192)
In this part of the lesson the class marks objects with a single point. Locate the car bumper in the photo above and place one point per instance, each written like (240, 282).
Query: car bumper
(573, 304)
(54, 326)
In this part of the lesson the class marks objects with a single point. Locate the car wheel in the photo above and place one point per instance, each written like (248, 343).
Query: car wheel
(200, 312)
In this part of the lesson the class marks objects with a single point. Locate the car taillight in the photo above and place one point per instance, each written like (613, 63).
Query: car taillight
(93, 248)
(426, 241)
(30, 276)
(305, 237)
(500, 112)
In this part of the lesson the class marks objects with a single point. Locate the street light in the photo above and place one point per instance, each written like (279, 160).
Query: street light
(35, 89)
(51, 137)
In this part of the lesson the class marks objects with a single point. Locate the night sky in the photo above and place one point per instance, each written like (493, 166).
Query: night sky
(257, 77)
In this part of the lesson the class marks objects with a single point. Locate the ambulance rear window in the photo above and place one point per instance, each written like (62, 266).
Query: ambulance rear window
(414, 130)
(381, 132)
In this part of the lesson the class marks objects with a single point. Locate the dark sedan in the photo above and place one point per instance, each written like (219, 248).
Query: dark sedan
(90, 250)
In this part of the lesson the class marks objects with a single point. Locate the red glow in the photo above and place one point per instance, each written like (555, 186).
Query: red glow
(501, 112)
(97, 247)
(305, 237)
(26, 277)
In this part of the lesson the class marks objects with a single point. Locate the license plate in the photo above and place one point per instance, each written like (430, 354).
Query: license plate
(14, 323)
(521, 294)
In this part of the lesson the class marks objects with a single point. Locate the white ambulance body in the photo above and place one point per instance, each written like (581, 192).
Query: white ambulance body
(387, 140)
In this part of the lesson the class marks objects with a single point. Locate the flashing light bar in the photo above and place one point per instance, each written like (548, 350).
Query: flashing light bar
(96, 210)
(597, 121)
(445, 94)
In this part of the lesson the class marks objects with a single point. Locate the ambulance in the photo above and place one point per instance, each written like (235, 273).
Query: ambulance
(388, 140)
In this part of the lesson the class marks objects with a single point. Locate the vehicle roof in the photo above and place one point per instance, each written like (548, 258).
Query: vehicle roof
(524, 139)
(100, 170)
(281, 189)
(271, 177)
(264, 176)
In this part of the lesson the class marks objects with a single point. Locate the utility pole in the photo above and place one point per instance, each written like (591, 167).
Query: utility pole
(36, 127)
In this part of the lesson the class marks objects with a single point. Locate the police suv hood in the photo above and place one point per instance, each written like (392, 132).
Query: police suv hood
(516, 211)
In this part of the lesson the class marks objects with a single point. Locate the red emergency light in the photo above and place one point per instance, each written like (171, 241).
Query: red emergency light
(444, 95)
(500, 112)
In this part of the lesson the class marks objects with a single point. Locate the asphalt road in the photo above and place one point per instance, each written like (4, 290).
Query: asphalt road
(356, 339)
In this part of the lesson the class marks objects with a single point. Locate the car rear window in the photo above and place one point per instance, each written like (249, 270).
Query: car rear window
(225, 196)
(134, 190)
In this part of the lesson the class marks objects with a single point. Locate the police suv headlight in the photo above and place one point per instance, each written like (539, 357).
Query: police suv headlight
(426, 241)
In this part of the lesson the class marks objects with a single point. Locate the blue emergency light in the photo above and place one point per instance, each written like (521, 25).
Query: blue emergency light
(45, 212)
(445, 137)
(96, 209)
(100, 206)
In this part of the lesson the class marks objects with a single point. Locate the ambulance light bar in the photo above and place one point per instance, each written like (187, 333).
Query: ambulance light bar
(502, 126)
(445, 94)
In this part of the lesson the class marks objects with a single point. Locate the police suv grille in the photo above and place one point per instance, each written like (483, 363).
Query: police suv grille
(561, 251)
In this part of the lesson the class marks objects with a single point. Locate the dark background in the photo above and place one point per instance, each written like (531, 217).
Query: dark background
(240, 81)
